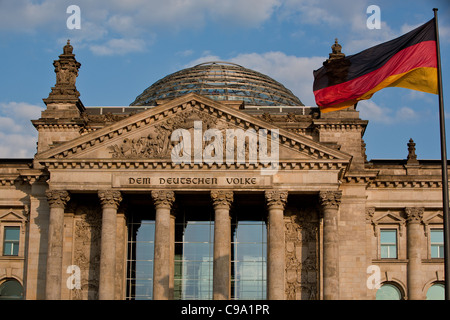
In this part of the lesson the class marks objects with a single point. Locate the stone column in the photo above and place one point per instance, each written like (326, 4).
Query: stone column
(414, 239)
(161, 267)
(110, 200)
(222, 244)
(57, 200)
(330, 201)
(276, 265)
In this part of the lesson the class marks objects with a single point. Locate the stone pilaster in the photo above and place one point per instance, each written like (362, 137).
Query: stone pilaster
(110, 200)
(161, 267)
(57, 200)
(414, 218)
(276, 201)
(330, 201)
(222, 201)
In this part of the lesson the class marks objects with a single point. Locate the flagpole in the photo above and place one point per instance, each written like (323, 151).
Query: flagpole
(445, 196)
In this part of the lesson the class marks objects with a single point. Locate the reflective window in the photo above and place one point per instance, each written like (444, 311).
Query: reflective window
(249, 260)
(193, 256)
(436, 292)
(388, 243)
(140, 259)
(437, 243)
(388, 292)
(194, 245)
(11, 290)
(11, 241)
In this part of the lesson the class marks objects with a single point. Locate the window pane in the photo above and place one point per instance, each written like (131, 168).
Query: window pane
(388, 243)
(388, 236)
(434, 251)
(384, 251)
(11, 241)
(388, 292)
(249, 260)
(11, 290)
(437, 236)
(140, 260)
(12, 233)
(436, 292)
(193, 257)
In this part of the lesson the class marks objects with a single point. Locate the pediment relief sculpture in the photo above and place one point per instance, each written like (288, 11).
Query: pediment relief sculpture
(147, 136)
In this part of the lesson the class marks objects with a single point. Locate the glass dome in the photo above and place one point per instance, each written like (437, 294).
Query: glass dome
(222, 81)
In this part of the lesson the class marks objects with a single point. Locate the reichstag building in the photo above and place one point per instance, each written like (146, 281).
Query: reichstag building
(216, 183)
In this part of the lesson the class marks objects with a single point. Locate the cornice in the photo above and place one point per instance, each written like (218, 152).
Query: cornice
(338, 165)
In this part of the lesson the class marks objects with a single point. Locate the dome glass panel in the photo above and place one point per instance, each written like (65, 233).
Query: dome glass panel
(221, 81)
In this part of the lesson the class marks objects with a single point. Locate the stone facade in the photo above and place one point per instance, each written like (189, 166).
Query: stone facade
(324, 207)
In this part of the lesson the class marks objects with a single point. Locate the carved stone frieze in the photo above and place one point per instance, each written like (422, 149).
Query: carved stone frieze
(157, 144)
(301, 236)
(86, 253)
(57, 198)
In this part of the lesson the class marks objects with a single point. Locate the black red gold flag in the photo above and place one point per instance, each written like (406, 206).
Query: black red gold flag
(408, 61)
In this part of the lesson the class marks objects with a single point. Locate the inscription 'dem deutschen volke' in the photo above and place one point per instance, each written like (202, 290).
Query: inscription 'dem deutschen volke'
(192, 181)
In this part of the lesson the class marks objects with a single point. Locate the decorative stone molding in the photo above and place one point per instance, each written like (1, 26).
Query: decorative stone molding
(222, 198)
(414, 214)
(276, 198)
(369, 214)
(57, 198)
(86, 254)
(330, 199)
(163, 198)
(405, 184)
(302, 264)
(387, 219)
(166, 164)
(110, 198)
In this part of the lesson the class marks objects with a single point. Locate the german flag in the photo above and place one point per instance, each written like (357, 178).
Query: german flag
(409, 61)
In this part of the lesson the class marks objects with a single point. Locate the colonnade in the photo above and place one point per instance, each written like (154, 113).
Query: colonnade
(163, 248)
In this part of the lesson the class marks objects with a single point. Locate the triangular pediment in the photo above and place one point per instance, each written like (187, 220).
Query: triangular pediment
(436, 218)
(12, 216)
(389, 218)
(146, 136)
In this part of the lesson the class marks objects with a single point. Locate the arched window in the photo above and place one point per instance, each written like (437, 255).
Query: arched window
(389, 291)
(11, 290)
(436, 292)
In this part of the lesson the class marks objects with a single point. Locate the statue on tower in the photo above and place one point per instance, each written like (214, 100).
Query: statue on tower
(66, 69)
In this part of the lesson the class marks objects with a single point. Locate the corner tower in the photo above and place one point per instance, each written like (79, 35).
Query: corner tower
(61, 120)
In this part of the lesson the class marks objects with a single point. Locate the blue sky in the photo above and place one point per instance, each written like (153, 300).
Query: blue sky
(125, 46)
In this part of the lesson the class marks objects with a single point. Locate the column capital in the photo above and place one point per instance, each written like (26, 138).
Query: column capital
(163, 198)
(57, 198)
(330, 199)
(414, 214)
(222, 198)
(276, 198)
(110, 198)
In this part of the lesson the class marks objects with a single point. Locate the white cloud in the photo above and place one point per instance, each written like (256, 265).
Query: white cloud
(118, 47)
(18, 137)
(371, 111)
